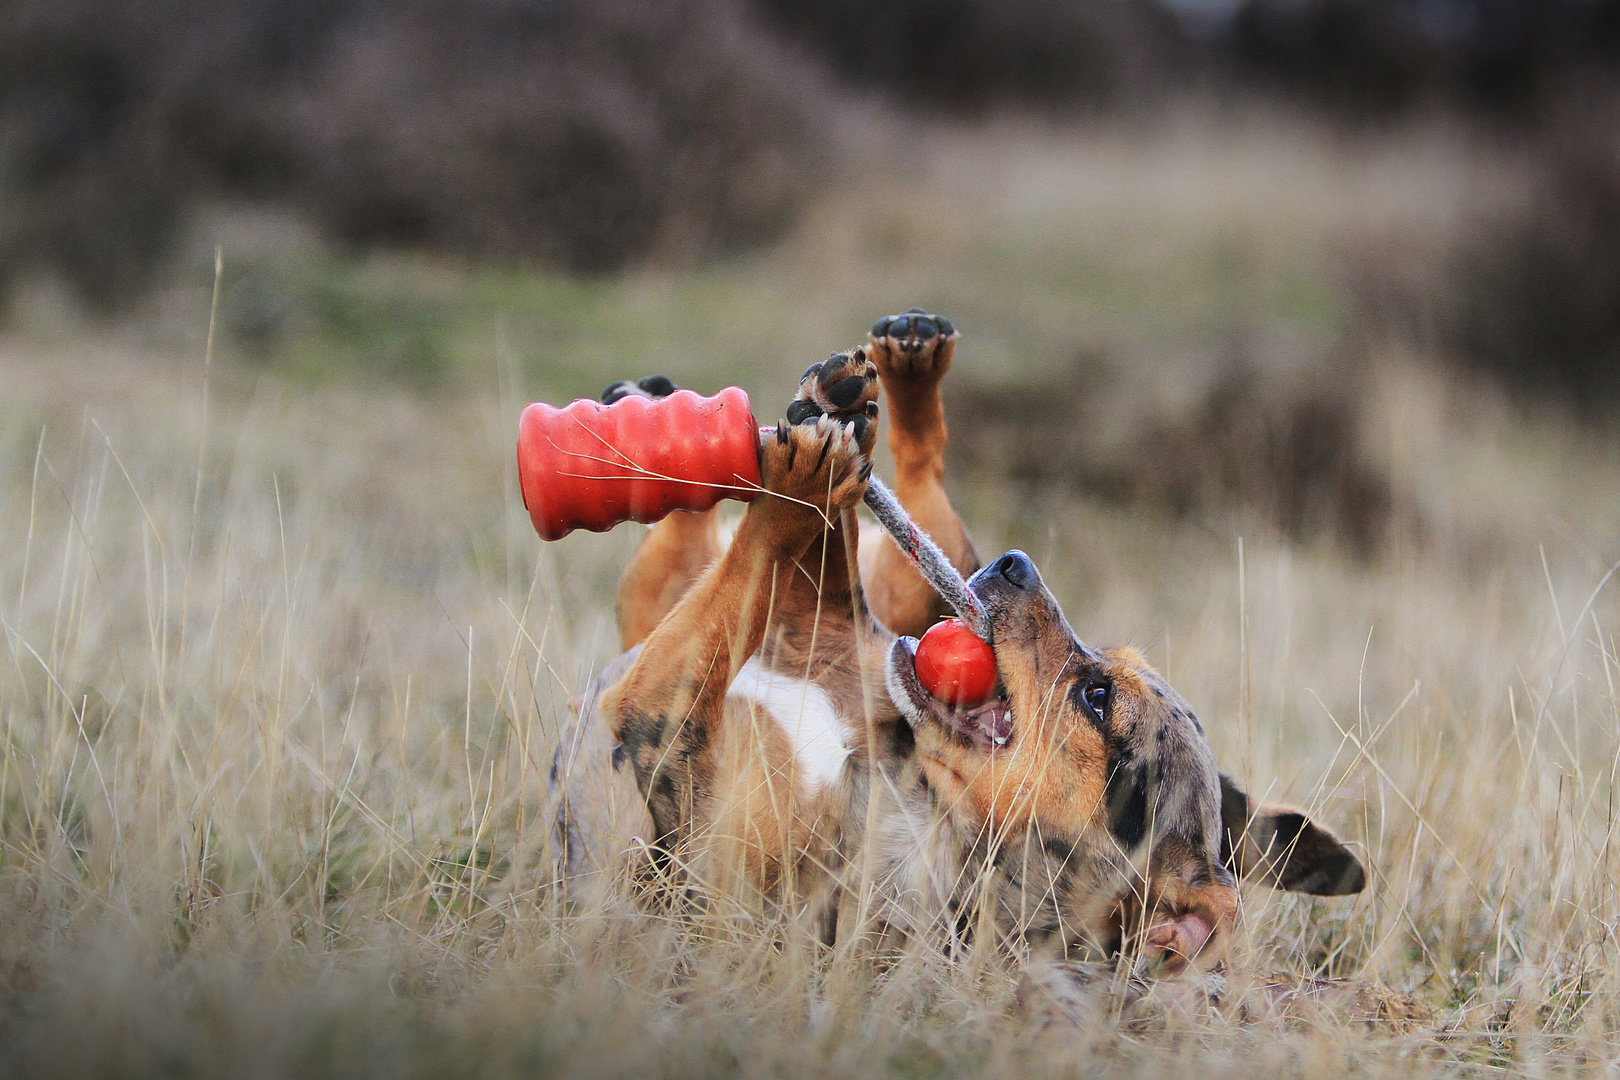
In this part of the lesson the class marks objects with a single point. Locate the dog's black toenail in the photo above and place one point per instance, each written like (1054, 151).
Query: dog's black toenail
(616, 391)
(782, 432)
(826, 447)
(871, 371)
(813, 369)
(858, 427)
(658, 385)
(925, 327)
(872, 409)
(802, 410)
(847, 391)
(945, 327)
(866, 471)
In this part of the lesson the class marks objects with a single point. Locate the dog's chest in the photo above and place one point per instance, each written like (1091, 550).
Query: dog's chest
(805, 714)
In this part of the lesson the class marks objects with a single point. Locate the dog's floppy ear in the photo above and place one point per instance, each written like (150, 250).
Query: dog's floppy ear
(1283, 848)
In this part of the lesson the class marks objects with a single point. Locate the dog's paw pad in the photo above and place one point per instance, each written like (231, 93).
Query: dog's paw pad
(803, 411)
(841, 386)
(912, 329)
(914, 344)
(653, 386)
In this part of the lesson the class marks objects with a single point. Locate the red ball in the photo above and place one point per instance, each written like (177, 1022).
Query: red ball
(955, 666)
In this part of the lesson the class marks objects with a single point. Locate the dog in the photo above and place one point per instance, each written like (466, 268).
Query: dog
(765, 730)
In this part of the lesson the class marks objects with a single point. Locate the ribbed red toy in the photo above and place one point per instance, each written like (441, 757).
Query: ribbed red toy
(591, 466)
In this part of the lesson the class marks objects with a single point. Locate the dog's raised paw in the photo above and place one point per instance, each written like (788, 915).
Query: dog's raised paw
(843, 387)
(913, 345)
(817, 463)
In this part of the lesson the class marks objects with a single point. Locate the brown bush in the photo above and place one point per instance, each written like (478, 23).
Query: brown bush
(583, 135)
(968, 54)
(1287, 447)
(1531, 297)
(1371, 60)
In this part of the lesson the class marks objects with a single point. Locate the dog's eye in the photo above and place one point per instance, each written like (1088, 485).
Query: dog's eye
(1096, 698)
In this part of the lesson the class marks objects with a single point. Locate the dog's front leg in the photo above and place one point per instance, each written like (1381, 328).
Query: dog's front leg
(666, 708)
(912, 352)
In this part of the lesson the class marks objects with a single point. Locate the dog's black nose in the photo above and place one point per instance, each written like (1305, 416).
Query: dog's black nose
(1016, 568)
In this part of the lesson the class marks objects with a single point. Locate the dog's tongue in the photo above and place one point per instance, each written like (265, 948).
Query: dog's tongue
(1000, 724)
(987, 723)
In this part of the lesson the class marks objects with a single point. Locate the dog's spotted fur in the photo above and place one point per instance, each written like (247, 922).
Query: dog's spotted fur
(1078, 813)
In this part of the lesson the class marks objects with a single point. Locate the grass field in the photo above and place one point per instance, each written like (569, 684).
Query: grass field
(283, 662)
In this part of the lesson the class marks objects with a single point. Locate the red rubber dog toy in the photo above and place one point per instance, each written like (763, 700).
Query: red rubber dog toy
(591, 466)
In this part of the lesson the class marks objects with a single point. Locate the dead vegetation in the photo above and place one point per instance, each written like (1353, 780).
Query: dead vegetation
(583, 136)
(1289, 448)
(282, 662)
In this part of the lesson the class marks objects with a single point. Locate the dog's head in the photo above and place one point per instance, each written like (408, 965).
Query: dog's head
(1089, 763)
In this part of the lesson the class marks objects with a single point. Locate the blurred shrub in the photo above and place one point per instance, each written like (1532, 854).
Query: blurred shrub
(968, 54)
(583, 133)
(1370, 59)
(1360, 60)
(327, 319)
(1286, 446)
(1535, 298)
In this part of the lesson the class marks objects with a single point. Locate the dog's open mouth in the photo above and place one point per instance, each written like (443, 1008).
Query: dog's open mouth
(989, 724)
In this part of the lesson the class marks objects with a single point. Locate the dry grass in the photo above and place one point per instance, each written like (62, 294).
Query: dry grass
(282, 667)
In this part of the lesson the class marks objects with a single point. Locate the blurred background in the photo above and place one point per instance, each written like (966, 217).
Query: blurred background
(1095, 185)
(1338, 276)
(1341, 274)
(1291, 353)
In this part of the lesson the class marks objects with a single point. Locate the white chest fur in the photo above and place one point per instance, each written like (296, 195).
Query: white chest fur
(805, 714)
